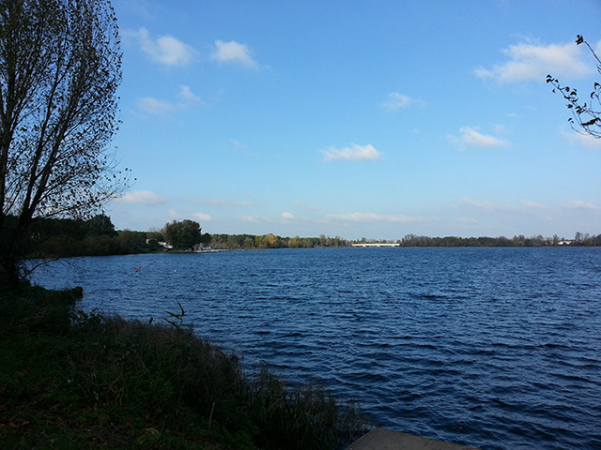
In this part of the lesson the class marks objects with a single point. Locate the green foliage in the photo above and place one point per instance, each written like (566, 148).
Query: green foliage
(71, 379)
(308, 412)
(57, 238)
(411, 240)
(250, 241)
(100, 225)
(132, 242)
(183, 235)
(35, 310)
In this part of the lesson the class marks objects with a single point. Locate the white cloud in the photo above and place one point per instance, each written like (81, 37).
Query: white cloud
(353, 153)
(174, 215)
(255, 219)
(471, 137)
(142, 8)
(287, 216)
(237, 144)
(371, 217)
(224, 202)
(583, 139)
(242, 148)
(534, 62)
(202, 217)
(141, 198)
(305, 206)
(579, 204)
(164, 50)
(533, 206)
(398, 101)
(233, 52)
(486, 206)
(525, 206)
(187, 96)
(163, 107)
(157, 107)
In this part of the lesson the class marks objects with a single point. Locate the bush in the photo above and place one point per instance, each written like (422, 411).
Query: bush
(96, 381)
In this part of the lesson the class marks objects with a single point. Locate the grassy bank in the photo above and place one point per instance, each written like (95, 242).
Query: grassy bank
(70, 379)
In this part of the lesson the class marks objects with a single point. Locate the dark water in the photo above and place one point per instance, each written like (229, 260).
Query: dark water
(494, 348)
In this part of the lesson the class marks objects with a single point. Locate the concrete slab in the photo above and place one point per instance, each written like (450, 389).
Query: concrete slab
(382, 439)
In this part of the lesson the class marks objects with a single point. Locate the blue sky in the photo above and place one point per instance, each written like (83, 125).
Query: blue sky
(357, 119)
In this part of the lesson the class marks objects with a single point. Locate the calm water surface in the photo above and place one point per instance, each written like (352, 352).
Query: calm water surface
(494, 348)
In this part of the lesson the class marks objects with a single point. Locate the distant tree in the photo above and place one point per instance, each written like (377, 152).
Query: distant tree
(294, 242)
(183, 235)
(272, 241)
(100, 225)
(132, 242)
(585, 113)
(205, 239)
(60, 66)
(155, 235)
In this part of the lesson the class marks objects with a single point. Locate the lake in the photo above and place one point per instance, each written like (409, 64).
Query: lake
(497, 348)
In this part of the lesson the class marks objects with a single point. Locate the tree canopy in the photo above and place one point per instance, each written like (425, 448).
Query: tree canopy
(60, 66)
(183, 235)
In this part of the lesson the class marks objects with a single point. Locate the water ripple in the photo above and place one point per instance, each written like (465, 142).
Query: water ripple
(494, 348)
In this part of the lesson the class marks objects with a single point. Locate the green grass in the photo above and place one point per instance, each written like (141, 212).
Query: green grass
(70, 379)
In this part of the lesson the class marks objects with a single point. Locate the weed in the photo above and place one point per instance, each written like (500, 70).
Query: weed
(81, 379)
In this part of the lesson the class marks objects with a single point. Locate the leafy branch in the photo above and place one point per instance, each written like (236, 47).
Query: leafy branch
(585, 114)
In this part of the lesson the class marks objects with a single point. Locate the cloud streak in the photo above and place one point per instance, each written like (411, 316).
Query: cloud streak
(396, 101)
(353, 153)
(357, 217)
(471, 137)
(223, 202)
(157, 107)
(255, 219)
(583, 206)
(527, 206)
(583, 139)
(534, 62)
(148, 198)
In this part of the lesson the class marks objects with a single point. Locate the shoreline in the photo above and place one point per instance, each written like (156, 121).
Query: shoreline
(384, 439)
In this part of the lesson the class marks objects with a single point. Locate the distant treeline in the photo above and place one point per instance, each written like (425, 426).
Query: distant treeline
(59, 238)
(583, 240)
(250, 241)
(56, 238)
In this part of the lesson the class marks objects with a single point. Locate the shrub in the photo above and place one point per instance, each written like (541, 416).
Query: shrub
(98, 381)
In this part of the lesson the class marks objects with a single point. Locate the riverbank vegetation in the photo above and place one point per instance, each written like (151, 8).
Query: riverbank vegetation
(97, 236)
(71, 379)
(580, 239)
(250, 241)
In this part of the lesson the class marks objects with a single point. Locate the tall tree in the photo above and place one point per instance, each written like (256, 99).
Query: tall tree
(586, 114)
(183, 235)
(60, 66)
